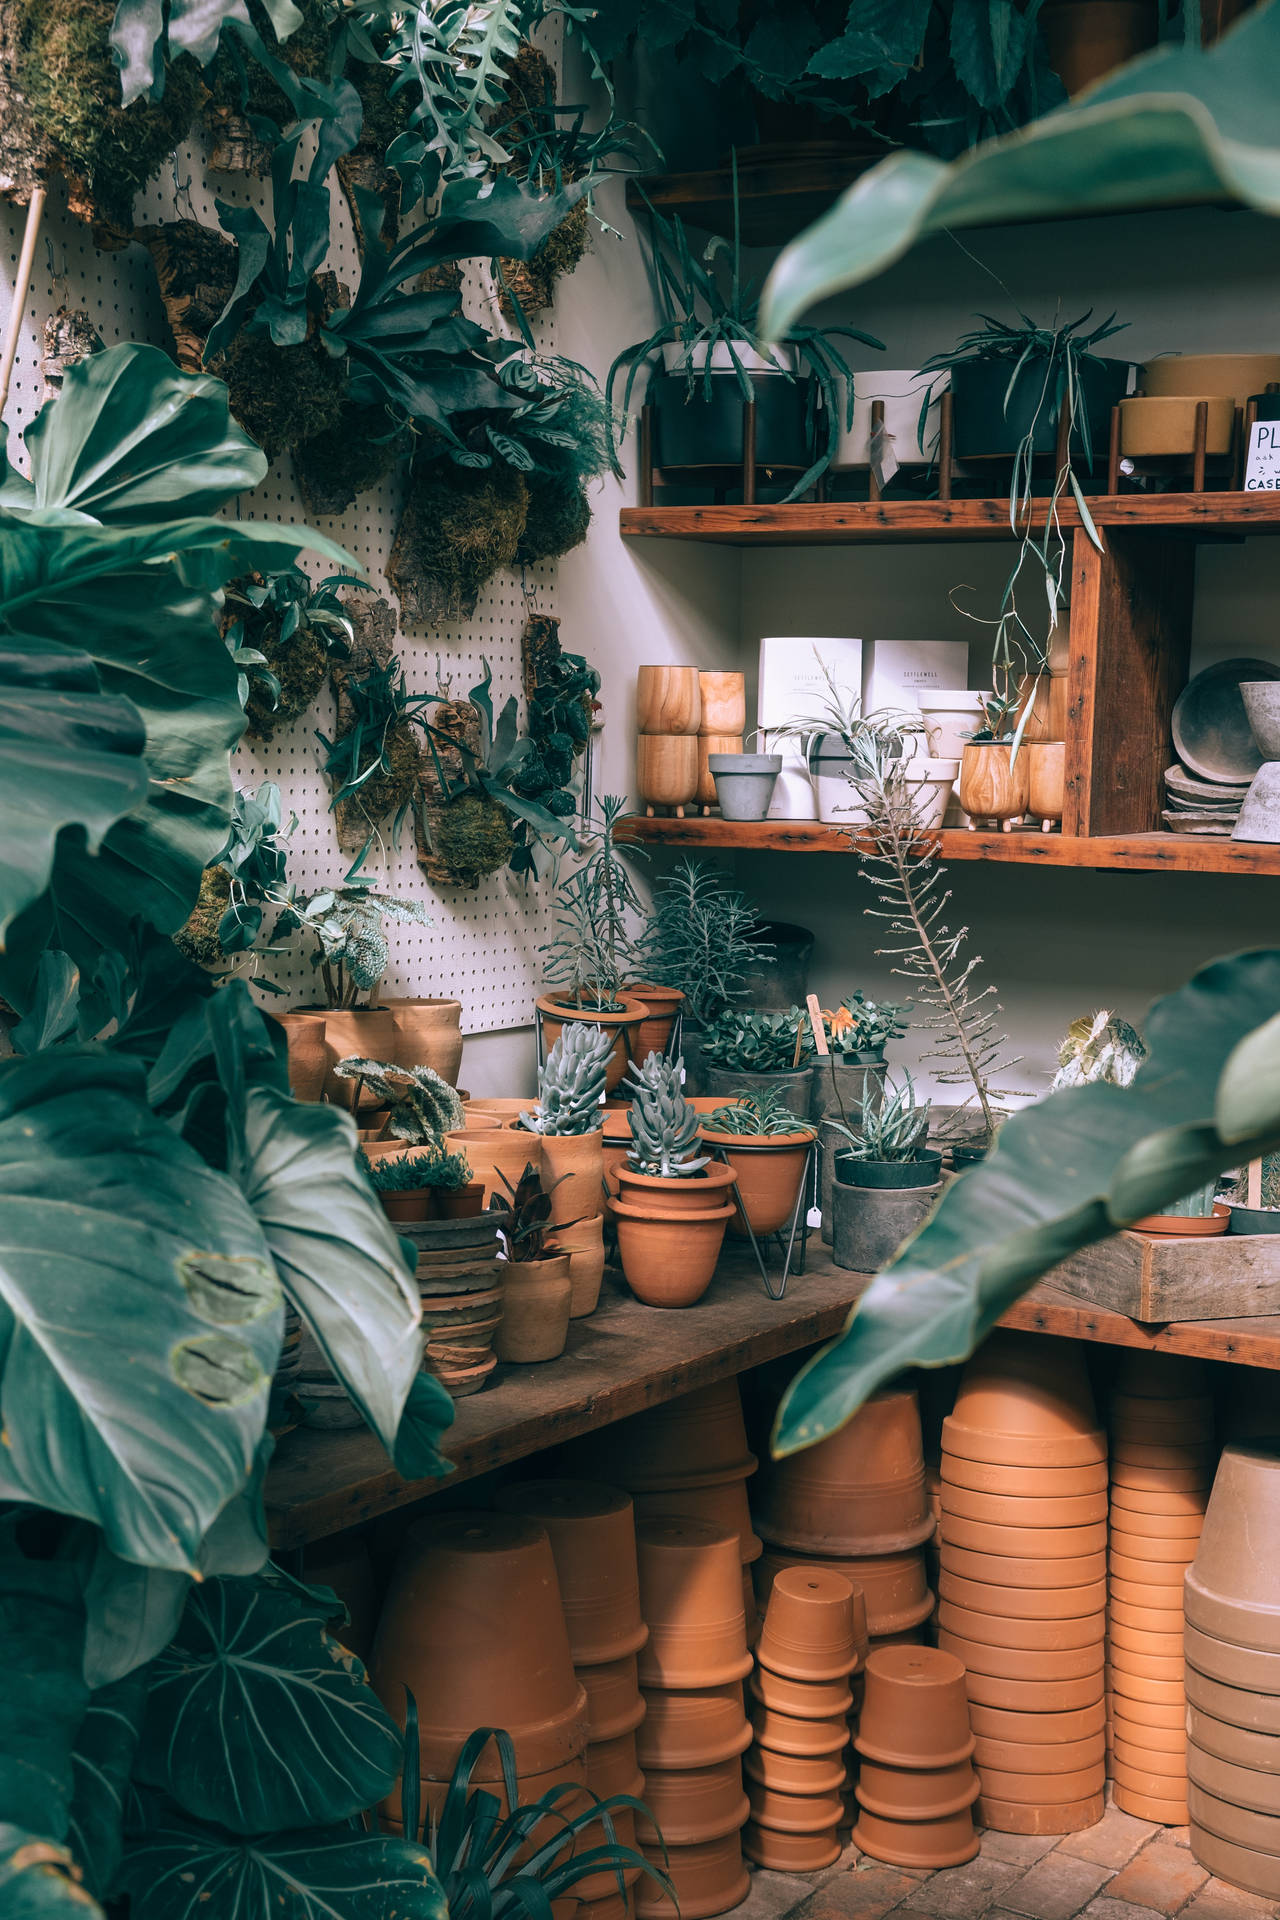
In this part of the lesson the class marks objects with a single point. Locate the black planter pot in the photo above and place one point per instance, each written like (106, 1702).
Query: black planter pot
(870, 1223)
(881, 1174)
(1253, 1219)
(987, 429)
(692, 430)
(780, 979)
(968, 1156)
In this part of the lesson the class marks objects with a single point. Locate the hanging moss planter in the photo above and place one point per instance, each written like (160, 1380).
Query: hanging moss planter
(389, 792)
(241, 90)
(557, 520)
(350, 458)
(462, 840)
(460, 524)
(533, 282)
(385, 116)
(198, 937)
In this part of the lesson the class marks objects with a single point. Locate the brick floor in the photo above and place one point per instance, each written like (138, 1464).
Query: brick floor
(1057, 1887)
(1161, 1876)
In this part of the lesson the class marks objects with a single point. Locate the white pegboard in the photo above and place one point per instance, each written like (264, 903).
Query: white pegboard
(483, 944)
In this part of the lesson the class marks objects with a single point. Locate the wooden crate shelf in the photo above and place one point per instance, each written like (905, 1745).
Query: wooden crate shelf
(879, 522)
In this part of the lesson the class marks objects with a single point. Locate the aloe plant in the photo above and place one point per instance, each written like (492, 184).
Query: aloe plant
(892, 1126)
(757, 1116)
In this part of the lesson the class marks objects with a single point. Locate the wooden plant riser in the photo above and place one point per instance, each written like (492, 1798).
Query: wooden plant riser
(1158, 1278)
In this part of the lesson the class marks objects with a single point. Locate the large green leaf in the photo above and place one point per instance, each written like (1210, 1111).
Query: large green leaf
(1063, 1174)
(176, 1870)
(38, 1881)
(1174, 126)
(43, 1700)
(140, 1318)
(258, 1721)
(101, 1762)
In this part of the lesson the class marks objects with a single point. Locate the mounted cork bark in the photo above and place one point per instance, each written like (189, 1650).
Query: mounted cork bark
(462, 836)
(460, 524)
(236, 147)
(69, 336)
(530, 97)
(364, 681)
(196, 271)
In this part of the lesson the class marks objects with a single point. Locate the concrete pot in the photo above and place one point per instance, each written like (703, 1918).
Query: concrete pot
(744, 783)
(791, 1083)
(869, 1224)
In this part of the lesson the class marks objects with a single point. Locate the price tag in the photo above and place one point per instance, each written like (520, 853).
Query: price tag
(818, 1025)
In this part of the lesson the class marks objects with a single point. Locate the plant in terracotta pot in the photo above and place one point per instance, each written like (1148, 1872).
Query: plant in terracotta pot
(885, 1180)
(768, 1150)
(569, 1118)
(701, 940)
(759, 1052)
(420, 1107)
(673, 1205)
(595, 949)
(435, 1185)
(536, 1285)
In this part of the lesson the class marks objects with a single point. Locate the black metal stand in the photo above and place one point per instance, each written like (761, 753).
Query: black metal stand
(786, 1237)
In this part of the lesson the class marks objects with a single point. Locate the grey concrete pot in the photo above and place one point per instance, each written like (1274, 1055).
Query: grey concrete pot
(794, 1087)
(1262, 705)
(869, 1224)
(744, 783)
(829, 1096)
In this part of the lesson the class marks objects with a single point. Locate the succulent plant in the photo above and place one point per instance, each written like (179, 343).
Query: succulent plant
(664, 1127)
(897, 1129)
(524, 1220)
(1100, 1046)
(859, 1025)
(424, 1107)
(571, 1086)
(757, 1115)
(409, 1173)
(753, 1042)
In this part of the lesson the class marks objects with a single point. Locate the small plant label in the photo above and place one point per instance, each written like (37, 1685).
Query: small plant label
(1262, 472)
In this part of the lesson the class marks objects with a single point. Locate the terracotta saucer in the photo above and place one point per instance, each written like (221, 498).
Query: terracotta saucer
(1023, 1756)
(1150, 1573)
(1238, 1706)
(1039, 1543)
(1170, 1716)
(1035, 1696)
(1166, 1799)
(996, 1570)
(1146, 1619)
(1242, 1745)
(1187, 1478)
(1167, 1772)
(1139, 1640)
(1245, 1867)
(1010, 1510)
(1142, 1666)
(1034, 1483)
(1037, 1727)
(1011, 1816)
(1165, 1501)
(1042, 1636)
(1136, 1686)
(1182, 1530)
(1015, 1663)
(1196, 1456)
(1150, 1599)
(1022, 1603)
(1165, 1740)
(996, 1448)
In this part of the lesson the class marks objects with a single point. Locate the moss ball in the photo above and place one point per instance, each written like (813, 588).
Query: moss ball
(471, 837)
(460, 525)
(558, 517)
(198, 939)
(300, 665)
(280, 395)
(306, 52)
(354, 455)
(383, 794)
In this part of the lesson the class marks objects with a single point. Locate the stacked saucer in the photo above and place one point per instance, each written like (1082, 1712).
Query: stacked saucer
(1198, 806)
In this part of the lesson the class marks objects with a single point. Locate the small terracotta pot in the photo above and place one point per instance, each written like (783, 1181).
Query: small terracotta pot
(916, 1793)
(1244, 1867)
(584, 1244)
(893, 1585)
(810, 1626)
(1042, 1543)
(999, 1569)
(536, 1297)
(914, 1712)
(1237, 1706)
(1036, 1696)
(1021, 1663)
(1140, 1620)
(1158, 1480)
(1030, 1757)
(1012, 1386)
(1243, 1746)
(801, 1699)
(700, 1729)
(593, 1539)
(663, 1004)
(1046, 1788)
(696, 1440)
(493, 1151)
(1038, 1728)
(428, 1033)
(573, 1174)
(861, 1491)
(807, 1739)
(703, 1193)
(413, 1205)
(793, 1812)
(669, 1260)
(691, 1599)
(614, 1702)
(1022, 1603)
(790, 1852)
(799, 1773)
(707, 1879)
(1241, 1825)
(1003, 1510)
(722, 1505)
(460, 1203)
(1184, 1504)
(694, 1805)
(1032, 1483)
(769, 1171)
(308, 1058)
(929, 1844)
(556, 1012)
(1012, 1816)
(1032, 1636)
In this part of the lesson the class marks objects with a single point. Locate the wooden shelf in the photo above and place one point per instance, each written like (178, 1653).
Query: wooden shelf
(880, 522)
(1128, 852)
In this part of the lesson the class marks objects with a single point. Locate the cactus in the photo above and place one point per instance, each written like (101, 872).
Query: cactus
(1101, 1046)
(571, 1085)
(424, 1107)
(664, 1127)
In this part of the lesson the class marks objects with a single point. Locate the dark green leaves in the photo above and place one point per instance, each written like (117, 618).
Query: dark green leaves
(38, 1881)
(102, 1761)
(44, 1697)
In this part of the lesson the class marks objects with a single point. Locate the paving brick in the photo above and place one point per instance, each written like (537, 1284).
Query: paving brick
(1163, 1876)
(1114, 1840)
(1217, 1901)
(865, 1893)
(965, 1893)
(773, 1895)
(1104, 1908)
(1056, 1888)
(1021, 1849)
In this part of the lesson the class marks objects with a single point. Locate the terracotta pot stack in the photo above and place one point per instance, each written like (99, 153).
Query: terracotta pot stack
(460, 1279)
(473, 1625)
(695, 1729)
(1023, 1583)
(796, 1772)
(593, 1540)
(856, 1504)
(1162, 1459)
(916, 1787)
(1232, 1601)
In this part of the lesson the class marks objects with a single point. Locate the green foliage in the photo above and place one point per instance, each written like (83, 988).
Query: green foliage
(1098, 1046)
(373, 764)
(895, 1127)
(423, 1106)
(285, 631)
(701, 937)
(859, 1025)
(42, 1606)
(248, 876)
(144, 38)
(746, 1040)
(595, 948)
(524, 1219)
(664, 1127)
(757, 1115)
(1062, 1175)
(39, 1881)
(351, 950)
(407, 1173)
(453, 58)
(571, 1085)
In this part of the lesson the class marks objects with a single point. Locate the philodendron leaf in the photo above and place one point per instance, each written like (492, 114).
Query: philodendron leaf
(1062, 1174)
(38, 1881)
(258, 1721)
(101, 1761)
(140, 1316)
(44, 1696)
(177, 1870)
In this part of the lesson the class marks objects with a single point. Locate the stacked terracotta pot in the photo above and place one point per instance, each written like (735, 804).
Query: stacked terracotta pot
(593, 1541)
(473, 1626)
(460, 1280)
(695, 1729)
(1161, 1469)
(796, 1771)
(1232, 1601)
(916, 1785)
(857, 1505)
(1023, 1581)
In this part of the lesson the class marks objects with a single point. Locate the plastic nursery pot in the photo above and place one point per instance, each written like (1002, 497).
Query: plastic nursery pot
(790, 1852)
(663, 1004)
(695, 1440)
(868, 1225)
(769, 1172)
(1243, 1219)
(992, 420)
(914, 1712)
(460, 1203)
(699, 425)
(1185, 1226)
(668, 1260)
(806, 1739)
(860, 1491)
(744, 783)
(692, 1729)
(984, 1596)
(1023, 1483)
(811, 1625)
(722, 1504)
(707, 1879)
(917, 1843)
(1041, 1636)
(536, 1297)
(573, 1171)
(555, 1011)
(428, 1033)
(916, 1793)
(818, 1700)
(593, 1538)
(700, 1193)
(1233, 1589)
(471, 1595)
(614, 1702)
(697, 1804)
(850, 1171)
(691, 1599)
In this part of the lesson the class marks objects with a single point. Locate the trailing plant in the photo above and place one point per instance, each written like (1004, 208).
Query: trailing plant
(859, 1025)
(524, 1219)
(701, 937)
(422, 1106)
(757, 1114)
(409, 1173)
(571, 1083)
(1099, 1046)
(893, 1128)
(351, 951)
(748, 1040)
(664, 1127)
(289, 630)
(247, 877)
(595, 950)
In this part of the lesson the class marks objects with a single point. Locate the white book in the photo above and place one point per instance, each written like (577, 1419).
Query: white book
(792, 686)
(896, 672)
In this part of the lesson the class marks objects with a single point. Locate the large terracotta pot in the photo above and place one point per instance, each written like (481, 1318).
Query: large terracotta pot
(693, 1729)
(428, 1034)
(669, 1259)
(695, 1440)
(1233, 1588)
(614, 1702)
(366, 1031)
(343, 1563)
(861, 1491)
(914, 1711)
(769, 1172)
(707, 1879)
(493, 1151)
(723, 1503)
(584, 1244)
(695, 1804)
(625, 1021)
(536, 1297)
(593, 1538)
(573, 1173)
(691, 1599)
(702, 1193)
(471, 1597)
(930, 1844)
(308, 1056)
(663, 1003)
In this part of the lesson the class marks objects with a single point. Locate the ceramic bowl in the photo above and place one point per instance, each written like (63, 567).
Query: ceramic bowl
(1209, 725)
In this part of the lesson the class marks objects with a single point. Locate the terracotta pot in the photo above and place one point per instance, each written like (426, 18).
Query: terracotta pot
(366, 1031)
(811, 1625)
(529, 1787)
(1234, 1665)
(723, 1505)
(1147, 1666)
(1045, 1788)
(414, 1205)
(916, 1793)
(669, 1259)
(694, 1805)
(1243, 1826)
(646, 1193)
(584, 1244)
(808, 1775)
(1047, 779)
(555, 1012)
(1238, 1706)
(1014, 1389)
(999, 1569)
(536, 1297)
(1145, 1723)
(808, 1739)
(666, 769)
(1150, 1599)
(893, 1585)
(1144, 1620)
(1086, 39)
(1037, 1696)
(1183, 1502)
(1010, 1816)
(1177, 1529)
(1023, 1663)
(593, 1538)
(695, 1440)
(790, 1852)
(1233, 1589)
(993, 786)
(917, 1843)
(428, 1034)
(613, 1767)
(663, 1004)
(1004, 1510)
(1243, 1746)
(343, 1563)
(1043, 1543)
(617, 1145)
(707, 1879)
(1244, 1867)
(494, 1151)
(1188, 1479)
(1181, 1226)
(669, 700)
(481, 1120)
(1030, 1757)
(691, 1599)
(699, 1729)
(1132, 1431)
(1050, 1729)
(308, 1057)
(615, 1704)
(800, 1699)
(769, 1172)
(1028, 1483)
(860, 1492)
(1042, 1636)
(1162, 1764)
(1199, 1457)
(471, 1595)
(1178, 1417)
(1165, 1571)
(1022, 1603)
(1135, 1686)
(793, 1812)
(461, 1203)
(914, 1712)
(573, 1174)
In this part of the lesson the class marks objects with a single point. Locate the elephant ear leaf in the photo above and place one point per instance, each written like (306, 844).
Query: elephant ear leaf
(257, 1719)
(44, 1696)
(39, 1881)
(1063, 1174)
(102, 1761)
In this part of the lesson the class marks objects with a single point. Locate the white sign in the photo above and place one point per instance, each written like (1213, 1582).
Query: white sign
(793, 682)
(1262, 473)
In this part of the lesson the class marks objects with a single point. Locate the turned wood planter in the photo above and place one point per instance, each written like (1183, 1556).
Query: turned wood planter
(994, 787)
(556, 1011)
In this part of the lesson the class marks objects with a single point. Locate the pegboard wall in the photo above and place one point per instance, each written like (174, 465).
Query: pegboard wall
(482, 946)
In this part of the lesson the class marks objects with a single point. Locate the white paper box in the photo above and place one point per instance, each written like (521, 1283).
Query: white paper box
(791, 685)
(896, 672)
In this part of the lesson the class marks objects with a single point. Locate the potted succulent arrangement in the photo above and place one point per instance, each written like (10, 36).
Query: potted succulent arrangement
(424, 1186)
(536, 1288)
(857, 1033)
(1255, 1204)
(758, 1052)
(886, 1179)
(673, 1205)
(594, 950)
(768, 1149)
(569, 1123)
(701, 942)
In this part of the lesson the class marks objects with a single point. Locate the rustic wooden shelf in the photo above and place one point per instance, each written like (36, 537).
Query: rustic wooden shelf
(879, 522)
(1127, 852)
